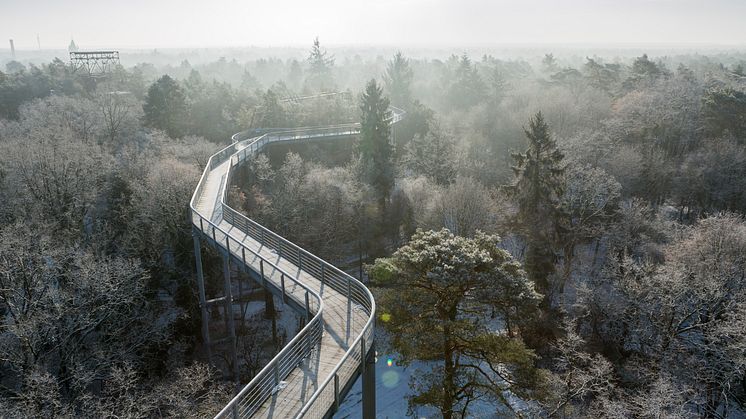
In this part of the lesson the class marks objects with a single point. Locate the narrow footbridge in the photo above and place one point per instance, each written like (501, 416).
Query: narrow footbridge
(311, 374)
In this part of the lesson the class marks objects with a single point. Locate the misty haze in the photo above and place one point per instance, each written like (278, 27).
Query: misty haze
(373, 209)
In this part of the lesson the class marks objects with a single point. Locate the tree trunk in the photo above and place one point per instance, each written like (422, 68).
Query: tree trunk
(270, 313)
(569, 255)
(447, 402)
(595, 257)
(360, 259)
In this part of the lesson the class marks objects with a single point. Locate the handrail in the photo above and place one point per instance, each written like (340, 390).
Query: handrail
(253, 395)
(397, 114)
(311, 331)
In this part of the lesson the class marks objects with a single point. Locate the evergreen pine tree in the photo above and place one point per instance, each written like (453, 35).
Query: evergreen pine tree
(468, 89)
(376, 149)
(165, 106)
(320, 71)
(538, 186)
(498, 86)
(549, 63)
(431, 290)
(273, 115)
(398, 80)
(724, 110)
(295, 75)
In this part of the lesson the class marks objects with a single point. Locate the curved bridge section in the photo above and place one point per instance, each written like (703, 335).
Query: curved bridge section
(311, 374)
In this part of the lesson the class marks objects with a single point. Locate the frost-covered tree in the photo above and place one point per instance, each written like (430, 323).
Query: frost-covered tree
(432, 155)
(436, 293)
(160, 233)
(59, 179)
(120, 113)
(191, 391)
(580, 375)
(712, 179)
(590, 200)
(465, 207)
(685, 317)
(71, 315)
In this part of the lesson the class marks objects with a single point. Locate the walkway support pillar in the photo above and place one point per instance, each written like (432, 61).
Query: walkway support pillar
(202, 298)
(368, 367)
(227, 290)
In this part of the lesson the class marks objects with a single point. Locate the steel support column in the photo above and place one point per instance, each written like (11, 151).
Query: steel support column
(202, 298)
(368, 367)
(227, 289)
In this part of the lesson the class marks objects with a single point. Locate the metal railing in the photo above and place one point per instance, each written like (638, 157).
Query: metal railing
(267, 382)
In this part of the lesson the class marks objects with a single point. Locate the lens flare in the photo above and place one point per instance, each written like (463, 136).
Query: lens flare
(390, 379)
(386, 317)
(389, 362)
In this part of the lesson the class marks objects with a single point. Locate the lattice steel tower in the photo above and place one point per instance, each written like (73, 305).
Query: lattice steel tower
(95, 63)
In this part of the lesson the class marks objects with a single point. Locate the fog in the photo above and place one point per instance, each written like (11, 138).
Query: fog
(447, 23)
(529, 209)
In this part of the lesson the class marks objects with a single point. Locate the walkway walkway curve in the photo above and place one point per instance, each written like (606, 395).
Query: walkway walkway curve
(311, 374)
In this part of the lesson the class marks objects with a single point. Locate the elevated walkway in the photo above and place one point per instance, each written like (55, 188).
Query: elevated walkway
(312, 373)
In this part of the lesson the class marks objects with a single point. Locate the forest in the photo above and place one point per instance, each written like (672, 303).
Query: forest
(553, 236)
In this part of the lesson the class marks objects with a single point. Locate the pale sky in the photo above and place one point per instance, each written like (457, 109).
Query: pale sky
(206, 23)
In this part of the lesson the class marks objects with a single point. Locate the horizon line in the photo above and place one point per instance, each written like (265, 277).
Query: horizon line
(623, 45)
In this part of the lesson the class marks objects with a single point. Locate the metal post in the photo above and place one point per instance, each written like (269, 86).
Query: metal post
(261, 271)
(229, 313)
(310, 332)
(282, 283)
(308, 308)
(349, 300)
(309, 336)
(336, 392)
(277, 375)
(368, 368)
(202, 298)
(241, 302)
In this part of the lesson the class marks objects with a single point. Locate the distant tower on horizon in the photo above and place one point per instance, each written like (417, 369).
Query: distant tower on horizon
(12, 49)
(72, 47)
(95, 63)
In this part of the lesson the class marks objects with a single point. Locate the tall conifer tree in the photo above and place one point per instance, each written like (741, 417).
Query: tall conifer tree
(537, 188)
(376, 148)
